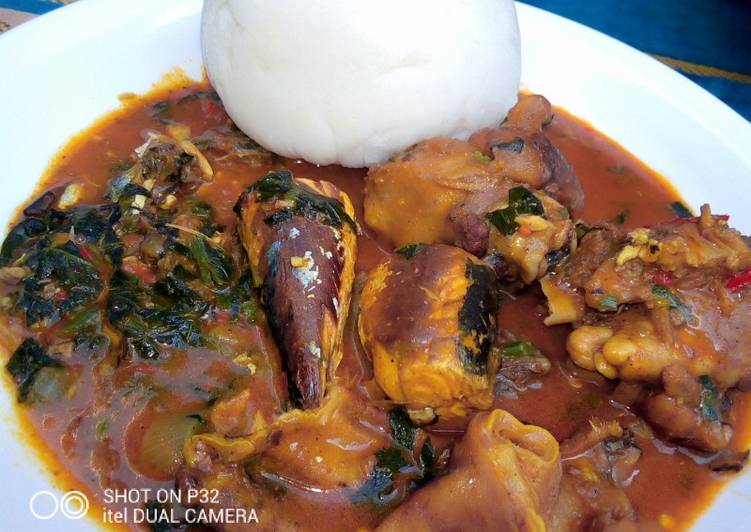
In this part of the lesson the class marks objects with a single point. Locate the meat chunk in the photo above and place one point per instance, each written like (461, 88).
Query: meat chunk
(598, 461)
(612, 268)
(662, 306)
(410, 198)
(311, 456)
(530, 231)
(499, 459)
(300, 237)
(527, 154)
(443, 191)
(428, 324)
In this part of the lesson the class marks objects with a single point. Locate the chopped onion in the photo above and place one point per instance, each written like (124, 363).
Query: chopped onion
(161, 450)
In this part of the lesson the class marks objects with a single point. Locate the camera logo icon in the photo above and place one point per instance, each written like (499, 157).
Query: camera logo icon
(45, 505)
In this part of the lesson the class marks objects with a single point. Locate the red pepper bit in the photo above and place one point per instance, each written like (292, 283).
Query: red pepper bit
(213, 109)
(60, 295)
(86, 253)
(739, 280)
(140, 270)
(662, 277)
(222, 316)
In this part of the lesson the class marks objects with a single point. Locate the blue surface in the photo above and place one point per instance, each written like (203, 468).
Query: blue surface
(708, 33)
(36, 7)
(705, 33)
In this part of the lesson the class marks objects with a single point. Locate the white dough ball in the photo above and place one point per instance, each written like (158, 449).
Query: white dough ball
(352, 82)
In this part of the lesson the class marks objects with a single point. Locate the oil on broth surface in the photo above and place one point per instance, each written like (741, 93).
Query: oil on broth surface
(97, 444)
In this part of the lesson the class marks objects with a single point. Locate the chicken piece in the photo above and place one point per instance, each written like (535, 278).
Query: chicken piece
(673, 279)
(441, 191)
(499, 459)
(409, 199)
(527, 154)
(428, 324)
(300, 237)
(681, 310)
(531, 231)
(598, 461)
(310, 455)
(643, 266)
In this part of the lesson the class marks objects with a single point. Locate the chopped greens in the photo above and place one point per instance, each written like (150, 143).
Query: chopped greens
(519, 349)
(174, 321)
(63, 253)
(671, 298)
(281, 185)
(214, 266)
(520, 201)
(162, 111)
(609, 302)
(410, 250)
(82, 320)
(516, 145)
(621, 217)
(403, 428)
(378, 489)
(26, 365)
(680, 210)
(61, 281)
(102, 428)
(709, 396)
(396, 464)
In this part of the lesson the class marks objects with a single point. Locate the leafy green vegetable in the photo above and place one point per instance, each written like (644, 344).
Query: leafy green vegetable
(680, 210)
(63, 275)
(162, 111)
(672, 299)
(201, 208)
(709, 396)
(84, 319)
(176, 294)
(242, 300)
(516, 145)
(61, 281)
(25, 366)
(520, 201)
(378, 489)
(150, 322)
(281, 185)
(396, 464)
(410, 250)
(519, 349)
(403, 428)
(21, 236)
(555, 257)
(213, 264)
(102, 428)
(621, 217)
(609, 302)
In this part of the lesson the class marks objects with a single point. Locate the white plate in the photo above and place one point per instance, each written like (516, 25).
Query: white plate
(61, 71)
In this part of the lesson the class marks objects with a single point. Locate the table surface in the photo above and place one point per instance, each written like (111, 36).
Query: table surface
(708, 41)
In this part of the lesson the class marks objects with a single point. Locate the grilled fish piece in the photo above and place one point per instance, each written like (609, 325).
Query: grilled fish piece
(300, 237)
